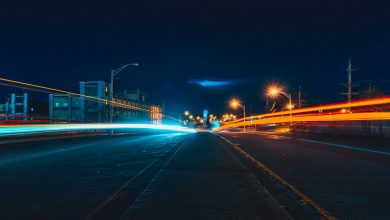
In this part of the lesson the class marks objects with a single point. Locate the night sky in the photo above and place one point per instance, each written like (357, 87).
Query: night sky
(236, 46)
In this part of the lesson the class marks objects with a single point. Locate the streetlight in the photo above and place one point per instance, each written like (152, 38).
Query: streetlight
(289, 106)
(234, 103)
(113, 74)
(273, 91)
(186, 113)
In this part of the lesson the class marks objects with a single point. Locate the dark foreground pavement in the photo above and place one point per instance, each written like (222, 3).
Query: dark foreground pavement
(347, 176)
(204, 180)
(167, 176)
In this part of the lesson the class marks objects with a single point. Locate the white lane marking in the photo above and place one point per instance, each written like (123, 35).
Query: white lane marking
(347, 147)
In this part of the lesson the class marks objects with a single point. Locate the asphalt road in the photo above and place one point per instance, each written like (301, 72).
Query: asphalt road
(68, 179)
(148, 176)
(347, 176)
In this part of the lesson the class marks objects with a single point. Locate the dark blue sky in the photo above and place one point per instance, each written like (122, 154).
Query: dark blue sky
(307, 43)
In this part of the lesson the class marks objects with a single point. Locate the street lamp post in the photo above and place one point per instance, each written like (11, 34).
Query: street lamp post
(235, 103)
(113, 74)
(273, 91)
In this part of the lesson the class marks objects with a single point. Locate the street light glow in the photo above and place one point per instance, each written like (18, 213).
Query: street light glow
(234, 103)
(273, 91)
(290, 106)
(186, 113)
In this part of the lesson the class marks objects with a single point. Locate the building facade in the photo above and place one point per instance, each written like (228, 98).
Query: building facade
(65, 107)
(23, 107)
(94, 110)
(128, 106)
(16, 107)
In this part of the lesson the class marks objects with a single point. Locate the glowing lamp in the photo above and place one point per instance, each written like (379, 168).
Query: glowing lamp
(288, 106)
(234, 103)
(273, 91)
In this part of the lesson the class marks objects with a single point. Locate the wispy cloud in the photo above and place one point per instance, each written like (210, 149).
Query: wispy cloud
(213, 83)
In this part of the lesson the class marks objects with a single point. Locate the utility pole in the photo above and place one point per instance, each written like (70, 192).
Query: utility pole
(299, 97)
(349, 70)
(112, 95)
(349, 85)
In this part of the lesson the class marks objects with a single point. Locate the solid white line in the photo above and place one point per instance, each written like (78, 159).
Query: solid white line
(347, 147)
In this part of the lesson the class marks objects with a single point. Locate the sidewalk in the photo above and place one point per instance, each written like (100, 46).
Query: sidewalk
(204, 180)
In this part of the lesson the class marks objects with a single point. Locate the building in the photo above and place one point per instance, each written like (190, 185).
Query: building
(137, 108)
(16, 107)
(19, 106)
(64, 107)
(5, 111)
(129, 106)
(23, 107)
(135, 95)
(93, 110)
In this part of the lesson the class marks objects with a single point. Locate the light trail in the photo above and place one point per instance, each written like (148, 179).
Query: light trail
(367, 116)
(337, 106)
(48, 128)
(115, 103)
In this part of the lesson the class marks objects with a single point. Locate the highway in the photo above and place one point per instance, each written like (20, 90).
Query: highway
(347, 176)
(138, 176)
(67, 179)
(194, 176)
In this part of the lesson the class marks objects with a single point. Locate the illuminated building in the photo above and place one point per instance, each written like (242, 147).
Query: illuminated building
(128, 105)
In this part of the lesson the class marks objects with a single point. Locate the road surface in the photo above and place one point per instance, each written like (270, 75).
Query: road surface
(194, 176)
(166, 176)
(347, 176)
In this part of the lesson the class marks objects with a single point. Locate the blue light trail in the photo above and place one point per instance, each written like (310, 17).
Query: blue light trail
(47, 128)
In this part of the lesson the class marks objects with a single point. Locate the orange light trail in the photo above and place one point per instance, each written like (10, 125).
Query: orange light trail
(282, 117)
(313, 118)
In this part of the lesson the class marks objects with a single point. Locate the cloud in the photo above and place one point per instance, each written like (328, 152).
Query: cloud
(212, 83)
